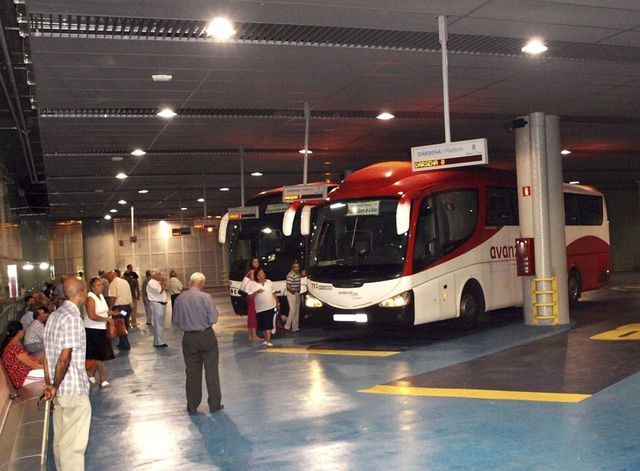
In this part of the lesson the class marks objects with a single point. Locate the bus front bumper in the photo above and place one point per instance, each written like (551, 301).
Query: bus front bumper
(372, 315)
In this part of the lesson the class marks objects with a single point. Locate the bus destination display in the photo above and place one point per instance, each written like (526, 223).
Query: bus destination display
(304, 192)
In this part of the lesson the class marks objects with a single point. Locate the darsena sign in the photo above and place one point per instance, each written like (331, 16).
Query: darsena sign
(449, 155)
(245, 212)
(304, 192)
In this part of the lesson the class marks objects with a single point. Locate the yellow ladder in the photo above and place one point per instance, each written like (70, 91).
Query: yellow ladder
(550, 285)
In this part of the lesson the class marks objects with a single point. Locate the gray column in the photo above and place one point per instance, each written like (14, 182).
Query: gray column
(99, 246)
(34, 233)
(525, 206)
(556, 216)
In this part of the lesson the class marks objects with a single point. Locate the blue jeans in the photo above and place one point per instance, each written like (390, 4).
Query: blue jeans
(123, 340)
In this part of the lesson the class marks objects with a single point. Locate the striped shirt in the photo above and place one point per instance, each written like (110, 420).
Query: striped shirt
(293, 281)
(64, 329)
(33, 337)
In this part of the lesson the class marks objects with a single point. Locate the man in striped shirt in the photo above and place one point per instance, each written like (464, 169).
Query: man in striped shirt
(293, 298)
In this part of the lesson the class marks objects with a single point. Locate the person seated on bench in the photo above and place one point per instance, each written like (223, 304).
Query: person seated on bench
(34, 334)
(20, 367)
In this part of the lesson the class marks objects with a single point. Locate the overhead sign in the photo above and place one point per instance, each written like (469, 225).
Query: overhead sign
(246, 212)
(304, 192)
(449, 155)
(180, 231)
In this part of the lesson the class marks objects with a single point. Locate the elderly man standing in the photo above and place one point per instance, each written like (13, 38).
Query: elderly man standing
(66, 378)
(195, 313)
(156, 292)
(120, 300)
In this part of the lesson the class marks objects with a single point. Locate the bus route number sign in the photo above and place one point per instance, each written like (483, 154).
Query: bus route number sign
(449, 155)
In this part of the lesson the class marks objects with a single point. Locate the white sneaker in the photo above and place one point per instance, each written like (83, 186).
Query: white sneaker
(267, 344)
(92, 380)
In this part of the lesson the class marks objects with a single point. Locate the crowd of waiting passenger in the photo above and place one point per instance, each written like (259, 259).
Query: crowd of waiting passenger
(64, 337)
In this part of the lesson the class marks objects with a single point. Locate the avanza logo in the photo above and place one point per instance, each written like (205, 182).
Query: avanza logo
(505, 251)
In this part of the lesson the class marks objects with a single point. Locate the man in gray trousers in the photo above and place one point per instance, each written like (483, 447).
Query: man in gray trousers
(195, 313)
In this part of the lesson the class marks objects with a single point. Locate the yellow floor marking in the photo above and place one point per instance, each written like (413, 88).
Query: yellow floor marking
(624, 332)
(476, 394)
(321, 351)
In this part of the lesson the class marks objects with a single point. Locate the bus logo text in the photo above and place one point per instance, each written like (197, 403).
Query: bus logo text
(505, 251)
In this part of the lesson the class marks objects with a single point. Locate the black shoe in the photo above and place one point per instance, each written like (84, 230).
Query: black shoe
(215, 409)
(148, 323)
(123, 347)
(164, 345)
(194, 412)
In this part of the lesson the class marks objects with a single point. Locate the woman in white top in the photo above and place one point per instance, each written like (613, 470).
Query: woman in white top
(95, 324)
(261, 290)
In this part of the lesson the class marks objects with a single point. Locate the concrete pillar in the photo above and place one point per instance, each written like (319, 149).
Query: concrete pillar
(98, 246)
(34, 234)
(525, 206)
(539, 166)
(556, 215)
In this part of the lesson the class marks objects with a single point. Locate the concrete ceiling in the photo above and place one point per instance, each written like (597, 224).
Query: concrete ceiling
(350, 59)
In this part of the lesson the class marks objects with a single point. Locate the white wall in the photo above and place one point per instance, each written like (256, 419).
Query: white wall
(156, 248)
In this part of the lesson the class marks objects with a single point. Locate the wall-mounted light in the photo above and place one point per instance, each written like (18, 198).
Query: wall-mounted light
(27, 266)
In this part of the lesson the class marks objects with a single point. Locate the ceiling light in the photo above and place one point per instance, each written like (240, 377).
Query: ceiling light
(161, 77)
(183, 209)
(224, 188)
(302, 151)
(122, 202)
(218, 217)
(256, 174)
(121, 176)
(267, 230)
(220, 28)
(327, 163)
(116, 159)
(534, 46)
(107, 217)
(100, 190)
(209, 229)
(138, 153)
(142, 192)
(43, 265)
(385, 116)
(565, 152)
(114, 210)
(27, 266)
(166, 113)
(574, 182)
(200, 200)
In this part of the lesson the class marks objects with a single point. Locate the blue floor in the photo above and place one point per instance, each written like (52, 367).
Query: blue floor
(305, 412)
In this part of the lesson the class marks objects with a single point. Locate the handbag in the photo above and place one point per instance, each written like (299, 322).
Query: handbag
(112, 332)
(121, 327)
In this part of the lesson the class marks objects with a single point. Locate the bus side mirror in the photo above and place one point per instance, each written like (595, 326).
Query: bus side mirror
(403, 215)
(305, 220)
(222, 231)
(288, 218)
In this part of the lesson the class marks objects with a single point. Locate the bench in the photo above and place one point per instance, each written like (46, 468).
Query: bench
(24, 426)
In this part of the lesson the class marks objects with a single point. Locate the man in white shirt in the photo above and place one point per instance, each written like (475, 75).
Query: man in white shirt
(120, 300)
(156, 292)
(174, 287)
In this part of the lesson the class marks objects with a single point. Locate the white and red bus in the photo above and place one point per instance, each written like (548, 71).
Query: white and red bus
(392, 246)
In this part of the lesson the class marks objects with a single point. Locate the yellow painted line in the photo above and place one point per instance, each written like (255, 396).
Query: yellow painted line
(624, 332)
(320, 351)
(476, 394)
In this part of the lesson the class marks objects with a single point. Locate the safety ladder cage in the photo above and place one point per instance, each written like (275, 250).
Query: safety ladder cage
(549, 288)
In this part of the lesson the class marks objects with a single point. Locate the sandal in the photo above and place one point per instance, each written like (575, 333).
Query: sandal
(105, 384)
(92, 379)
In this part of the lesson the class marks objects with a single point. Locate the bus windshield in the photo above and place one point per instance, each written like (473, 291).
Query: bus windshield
(263, 238)
(357, 240)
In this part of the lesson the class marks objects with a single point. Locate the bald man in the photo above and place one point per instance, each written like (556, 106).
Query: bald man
(66, 378)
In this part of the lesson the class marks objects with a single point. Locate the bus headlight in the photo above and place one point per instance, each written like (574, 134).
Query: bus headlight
(398, 300)
(312, 302)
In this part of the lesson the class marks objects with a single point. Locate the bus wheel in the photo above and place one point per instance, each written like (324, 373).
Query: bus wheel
(575, 287)
(470, 309)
